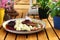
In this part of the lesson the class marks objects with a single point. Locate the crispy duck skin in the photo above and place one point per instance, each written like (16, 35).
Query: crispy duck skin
(27, 22)
(11, 24)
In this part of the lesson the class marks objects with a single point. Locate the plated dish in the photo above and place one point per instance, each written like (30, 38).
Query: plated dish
(23, 26)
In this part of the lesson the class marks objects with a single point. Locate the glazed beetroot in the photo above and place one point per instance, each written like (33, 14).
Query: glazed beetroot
(10, 25)
(28, 22)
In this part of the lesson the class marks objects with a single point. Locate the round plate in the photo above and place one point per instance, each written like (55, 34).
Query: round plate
(24, 32)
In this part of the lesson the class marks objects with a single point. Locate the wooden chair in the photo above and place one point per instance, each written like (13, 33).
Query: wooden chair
(13, 14)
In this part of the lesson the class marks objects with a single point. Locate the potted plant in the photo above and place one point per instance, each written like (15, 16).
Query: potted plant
(43, 8)
(55, 13)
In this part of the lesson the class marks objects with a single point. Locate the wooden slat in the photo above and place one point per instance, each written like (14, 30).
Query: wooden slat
(37, 17)
(2, 34)
(34, 1)
(22, 13)
(25, 12)
(51, 21)
(24, 2)
(21, 6)
(31, 16)
(50, 32)
(32, 37)
(21, 37)
(21, 1)
(10, 36)
(42, 36)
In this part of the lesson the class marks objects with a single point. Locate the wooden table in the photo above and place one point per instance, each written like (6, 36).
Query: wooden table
(49, 33)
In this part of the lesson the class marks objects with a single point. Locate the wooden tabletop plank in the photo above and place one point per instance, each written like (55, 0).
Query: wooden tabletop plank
(21, 2)
(32, 37)
(21, 37)
(22, 13)
(2, 34)
(24, 2)
(34, 1)
(51, 21)
(10, 36)
(50, 32)
(21, 6)
(37, 17)
(41, 34)
(25, 12)
(19, 12)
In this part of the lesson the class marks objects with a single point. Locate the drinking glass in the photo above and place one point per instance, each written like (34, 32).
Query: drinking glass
(1, 15)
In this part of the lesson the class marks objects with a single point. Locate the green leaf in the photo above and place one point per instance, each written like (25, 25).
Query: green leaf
(53, 13)
(58, 11)
(58, 3)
